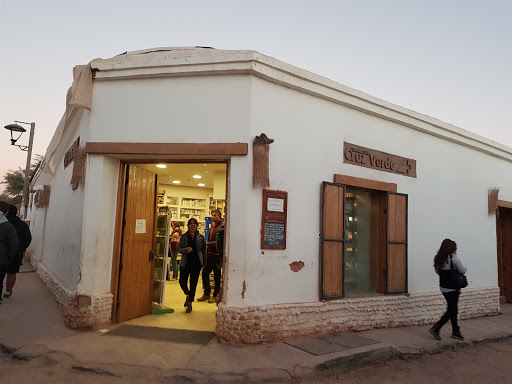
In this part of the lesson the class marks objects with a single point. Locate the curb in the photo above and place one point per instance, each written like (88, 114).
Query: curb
(357, 360)
(452, 346)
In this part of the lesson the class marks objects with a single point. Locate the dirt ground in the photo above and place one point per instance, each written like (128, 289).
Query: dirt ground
(61, 368)
(478, 364)
(482, 363)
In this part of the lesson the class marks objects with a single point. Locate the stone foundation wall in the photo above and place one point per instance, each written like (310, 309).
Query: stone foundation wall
(80, 311)
(257, 324)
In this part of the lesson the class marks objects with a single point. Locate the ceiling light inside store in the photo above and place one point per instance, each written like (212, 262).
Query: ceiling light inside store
(176, 182)
(201, 184)
(161, 166)
(196, 177)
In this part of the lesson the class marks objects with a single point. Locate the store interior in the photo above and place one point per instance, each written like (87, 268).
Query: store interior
(184, 190)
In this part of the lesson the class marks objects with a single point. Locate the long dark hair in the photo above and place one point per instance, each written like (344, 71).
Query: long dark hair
(447, 248)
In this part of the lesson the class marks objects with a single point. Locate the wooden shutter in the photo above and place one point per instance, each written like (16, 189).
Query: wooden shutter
(396, 263)
(332, 240)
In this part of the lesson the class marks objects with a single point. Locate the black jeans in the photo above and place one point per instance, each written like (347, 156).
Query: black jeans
(211, 266)
(3, 271)
(452, 300)
(193, 269)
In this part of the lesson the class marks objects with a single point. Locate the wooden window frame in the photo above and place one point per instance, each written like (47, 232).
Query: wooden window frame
(384, 225)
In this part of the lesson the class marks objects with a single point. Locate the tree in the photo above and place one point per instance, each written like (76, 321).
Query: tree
(9, 200)
(13, 181)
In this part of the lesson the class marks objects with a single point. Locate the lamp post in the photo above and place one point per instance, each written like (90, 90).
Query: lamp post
(20, 129)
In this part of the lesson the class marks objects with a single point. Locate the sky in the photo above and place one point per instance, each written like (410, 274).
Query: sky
(448, 59)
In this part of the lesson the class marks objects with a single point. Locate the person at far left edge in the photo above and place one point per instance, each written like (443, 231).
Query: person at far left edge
(8, 243)
(24, 239)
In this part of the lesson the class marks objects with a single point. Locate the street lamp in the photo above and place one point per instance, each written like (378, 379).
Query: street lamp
(19, 129)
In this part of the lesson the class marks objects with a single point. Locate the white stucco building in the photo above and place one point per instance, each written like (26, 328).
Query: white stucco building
(356, 254)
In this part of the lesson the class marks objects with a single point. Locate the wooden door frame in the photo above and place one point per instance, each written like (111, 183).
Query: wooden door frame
(224, 275)
(118, 238)
(118, 226)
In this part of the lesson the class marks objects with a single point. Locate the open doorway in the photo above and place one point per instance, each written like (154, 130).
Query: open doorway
(175, 192)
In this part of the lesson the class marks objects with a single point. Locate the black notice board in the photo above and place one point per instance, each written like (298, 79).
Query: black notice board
(274, 235)
(273, 219)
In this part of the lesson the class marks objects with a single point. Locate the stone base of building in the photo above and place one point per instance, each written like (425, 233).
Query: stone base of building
(80, 311)
(258, 324)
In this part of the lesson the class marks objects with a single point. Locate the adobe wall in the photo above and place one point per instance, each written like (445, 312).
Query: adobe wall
(79, 311)
(266, 323)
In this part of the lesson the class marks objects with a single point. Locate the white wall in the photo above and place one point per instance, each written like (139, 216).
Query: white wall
(37, 227)
(98, 224)
(60, 253)
(447, 199)
(209, 109)
(201, 109)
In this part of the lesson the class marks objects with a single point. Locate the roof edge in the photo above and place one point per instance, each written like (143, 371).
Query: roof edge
(197, 61)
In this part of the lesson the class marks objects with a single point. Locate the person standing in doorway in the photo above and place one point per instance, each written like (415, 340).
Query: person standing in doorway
(175, 240)
(211, 263)
(443, 260)
(24, 239)
(192, 247)
(8, 243)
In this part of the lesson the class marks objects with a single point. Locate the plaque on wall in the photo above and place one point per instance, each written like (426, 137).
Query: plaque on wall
(382, 161)
(273, 221)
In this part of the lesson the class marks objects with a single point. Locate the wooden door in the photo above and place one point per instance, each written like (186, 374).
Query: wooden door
(504, 240)
(332, 241)
(396, 266)
(138, 245)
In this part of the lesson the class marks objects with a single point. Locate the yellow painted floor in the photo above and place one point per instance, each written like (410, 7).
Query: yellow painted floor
(202, 317)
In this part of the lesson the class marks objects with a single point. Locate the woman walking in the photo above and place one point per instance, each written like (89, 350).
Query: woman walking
(442, 262)
(173, 250)
(192, 247)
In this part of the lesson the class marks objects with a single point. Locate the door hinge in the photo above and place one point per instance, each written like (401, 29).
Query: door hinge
(124, 223)
(385, 211)
(121, 266)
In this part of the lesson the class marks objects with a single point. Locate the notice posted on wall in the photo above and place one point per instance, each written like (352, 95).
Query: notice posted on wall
(273, 221)
(275, 205)
(274, 235)
(140, 226)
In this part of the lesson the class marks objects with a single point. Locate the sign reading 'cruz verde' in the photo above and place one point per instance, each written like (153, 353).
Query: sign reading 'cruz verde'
(382, 161)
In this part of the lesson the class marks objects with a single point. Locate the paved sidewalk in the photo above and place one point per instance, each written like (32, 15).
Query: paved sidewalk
(32, 326)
